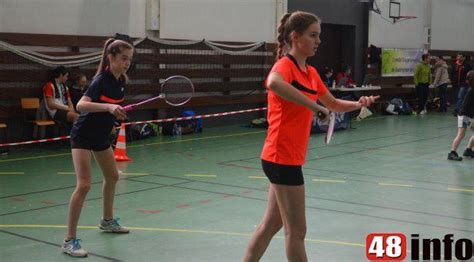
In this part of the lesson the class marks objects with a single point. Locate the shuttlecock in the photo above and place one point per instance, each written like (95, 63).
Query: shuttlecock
(364, 112)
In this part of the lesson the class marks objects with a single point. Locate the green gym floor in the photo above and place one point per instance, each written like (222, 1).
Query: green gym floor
(199, 197)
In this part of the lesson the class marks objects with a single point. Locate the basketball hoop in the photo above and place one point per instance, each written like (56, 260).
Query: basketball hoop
(394, 10)
(402, 18)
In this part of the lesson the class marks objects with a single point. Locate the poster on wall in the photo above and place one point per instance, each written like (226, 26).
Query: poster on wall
(400, 62)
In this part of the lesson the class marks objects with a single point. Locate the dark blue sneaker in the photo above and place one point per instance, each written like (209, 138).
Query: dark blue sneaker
(454, 156)
(468, 152)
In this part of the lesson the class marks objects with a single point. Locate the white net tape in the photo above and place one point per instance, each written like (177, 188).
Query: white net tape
(85, 59)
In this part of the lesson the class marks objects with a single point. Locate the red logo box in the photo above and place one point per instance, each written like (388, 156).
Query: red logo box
(386, 246)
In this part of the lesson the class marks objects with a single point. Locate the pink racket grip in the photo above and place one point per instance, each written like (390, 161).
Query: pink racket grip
(128, 108)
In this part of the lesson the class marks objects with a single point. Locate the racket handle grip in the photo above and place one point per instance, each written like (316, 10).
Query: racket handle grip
(320, 115)
(128, 108)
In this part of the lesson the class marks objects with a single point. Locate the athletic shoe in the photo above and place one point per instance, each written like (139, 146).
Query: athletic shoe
(112, 226)
(423, 112)
(454, 156)
(468, 152)
(73, 248)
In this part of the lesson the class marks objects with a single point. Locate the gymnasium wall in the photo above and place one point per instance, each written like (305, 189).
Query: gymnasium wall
(404, 34)
(219, 20)
(452, 25)
(341, 12)
(73, 17)
(224, 20)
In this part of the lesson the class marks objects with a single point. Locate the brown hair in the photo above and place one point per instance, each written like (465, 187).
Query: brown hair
(298, 22)
(77, 76)
(113, 47)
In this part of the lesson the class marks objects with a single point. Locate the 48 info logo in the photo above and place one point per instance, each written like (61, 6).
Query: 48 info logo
(393, 246)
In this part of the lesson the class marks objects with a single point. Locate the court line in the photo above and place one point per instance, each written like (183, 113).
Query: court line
(11, 173)
(50, 190)
(247, 197)
(198, 138)
(395, 185)
(376, 176)
(92, 199)
(133, 174)
(310, 207)
(192, 231)
(461, 189)
(359, 180)
(340, 144)
(50, 243)
(328, 181)
(199, 175)
(347, 202)
(65, 173)
(377, 147)
(257, 177)
(317, 198)
(33, 157)
(141, 145)
(324, 146)
(120, 173)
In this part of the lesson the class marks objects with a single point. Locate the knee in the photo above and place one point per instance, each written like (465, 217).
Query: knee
(83, 188)
(112, 178)
(296, 232)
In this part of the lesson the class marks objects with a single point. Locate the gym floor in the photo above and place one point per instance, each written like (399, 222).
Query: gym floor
(199, 197)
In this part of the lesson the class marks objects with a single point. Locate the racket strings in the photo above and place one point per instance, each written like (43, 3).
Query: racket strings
(177, 90)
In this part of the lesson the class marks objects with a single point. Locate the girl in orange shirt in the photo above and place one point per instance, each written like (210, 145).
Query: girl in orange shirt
(293, 88)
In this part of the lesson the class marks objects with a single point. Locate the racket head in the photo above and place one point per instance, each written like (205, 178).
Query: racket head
(177, 90)
(332, 123)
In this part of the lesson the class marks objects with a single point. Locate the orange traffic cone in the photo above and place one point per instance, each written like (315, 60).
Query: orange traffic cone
(120, 147)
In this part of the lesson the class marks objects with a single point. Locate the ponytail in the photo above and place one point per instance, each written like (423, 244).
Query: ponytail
(103, 60)
(281, 38)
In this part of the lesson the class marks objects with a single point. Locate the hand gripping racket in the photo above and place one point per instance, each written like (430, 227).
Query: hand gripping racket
(175, 90)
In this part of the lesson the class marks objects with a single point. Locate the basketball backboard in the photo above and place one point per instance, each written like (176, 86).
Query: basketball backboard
(394, 10)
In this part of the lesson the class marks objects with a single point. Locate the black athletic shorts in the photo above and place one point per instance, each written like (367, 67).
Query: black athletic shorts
(283, 174)
(90, 144)
(60, 116)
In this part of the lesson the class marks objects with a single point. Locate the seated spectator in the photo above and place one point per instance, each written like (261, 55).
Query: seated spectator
(327, 77)
(79, 87)
(345, 78)
(57, 97)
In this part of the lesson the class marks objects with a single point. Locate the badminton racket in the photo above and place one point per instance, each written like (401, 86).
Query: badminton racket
(175, 91)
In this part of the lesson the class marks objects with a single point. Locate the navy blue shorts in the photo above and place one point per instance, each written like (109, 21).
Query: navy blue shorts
(90, 144)
(283, 174)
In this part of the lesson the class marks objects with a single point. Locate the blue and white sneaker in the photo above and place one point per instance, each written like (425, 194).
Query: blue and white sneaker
(73, 248)
(112, 226)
